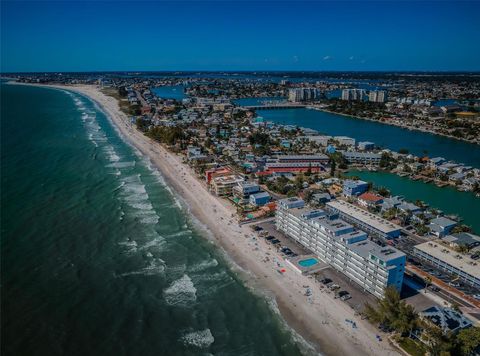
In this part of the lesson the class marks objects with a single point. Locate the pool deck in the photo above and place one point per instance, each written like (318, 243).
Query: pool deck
(294, 263)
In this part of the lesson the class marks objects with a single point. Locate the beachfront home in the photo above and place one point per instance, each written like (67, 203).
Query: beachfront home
(244, 189)
(259, 199)
(223, 185)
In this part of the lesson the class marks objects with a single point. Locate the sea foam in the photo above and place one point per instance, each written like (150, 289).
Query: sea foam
(201, 338)
(181, 292)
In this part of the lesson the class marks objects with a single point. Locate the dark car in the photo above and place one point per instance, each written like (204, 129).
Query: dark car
(270, 238)
(434, 288)
(275, 241)
(326, 281)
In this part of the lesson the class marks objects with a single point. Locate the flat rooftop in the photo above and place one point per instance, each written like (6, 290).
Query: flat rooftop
(366, 247)
(446, 254)
(373, 220)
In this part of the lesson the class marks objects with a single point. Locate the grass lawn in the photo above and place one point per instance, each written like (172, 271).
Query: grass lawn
(412, 347)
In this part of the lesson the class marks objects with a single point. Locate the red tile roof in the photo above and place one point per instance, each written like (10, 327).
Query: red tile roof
(370, 197)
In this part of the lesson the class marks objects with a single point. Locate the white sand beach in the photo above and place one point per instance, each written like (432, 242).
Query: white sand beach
(319, 320)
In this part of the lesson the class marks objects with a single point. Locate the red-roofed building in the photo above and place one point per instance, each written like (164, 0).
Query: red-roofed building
(370, 200)
(216, 172)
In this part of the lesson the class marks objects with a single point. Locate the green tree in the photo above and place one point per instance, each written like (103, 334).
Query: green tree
(468, 340)
(392, 312)
(438, 343)
(332, 168)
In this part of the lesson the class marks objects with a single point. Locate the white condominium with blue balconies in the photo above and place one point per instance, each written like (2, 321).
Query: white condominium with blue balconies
(342, 246)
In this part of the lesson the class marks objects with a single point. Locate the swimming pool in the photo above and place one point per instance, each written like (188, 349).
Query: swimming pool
(309, 262)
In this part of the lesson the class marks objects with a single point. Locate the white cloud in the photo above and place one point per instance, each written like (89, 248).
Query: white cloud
(351, 58)
(326, 58)
(295, 58)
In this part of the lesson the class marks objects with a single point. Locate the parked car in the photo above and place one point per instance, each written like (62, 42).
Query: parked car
(434, 288)
(326, 281)
(270, 238)
(454, 284)
(476, 296)
(346, 297)
(275, 241)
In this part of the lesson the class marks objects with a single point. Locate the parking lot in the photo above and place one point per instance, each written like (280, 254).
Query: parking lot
(358, 296)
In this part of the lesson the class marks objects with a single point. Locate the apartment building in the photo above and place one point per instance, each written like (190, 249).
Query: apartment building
(224, 185)
(447, 259)
(345, 248)
(364, 220)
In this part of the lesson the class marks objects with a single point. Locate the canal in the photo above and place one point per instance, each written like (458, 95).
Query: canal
(447, 199)
(392, 137)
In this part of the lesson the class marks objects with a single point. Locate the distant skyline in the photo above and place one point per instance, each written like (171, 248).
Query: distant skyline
(234, 36)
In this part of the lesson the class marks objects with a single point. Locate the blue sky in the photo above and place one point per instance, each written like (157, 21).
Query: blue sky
(315, 35)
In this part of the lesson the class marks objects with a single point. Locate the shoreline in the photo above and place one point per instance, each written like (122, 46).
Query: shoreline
(320, 322)
(398, 125)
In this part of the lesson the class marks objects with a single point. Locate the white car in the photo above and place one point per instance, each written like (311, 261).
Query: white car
(476, 296)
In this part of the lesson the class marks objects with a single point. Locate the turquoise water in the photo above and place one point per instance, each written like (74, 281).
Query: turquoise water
(98, 258)
(170, 92)
(383, 135)
(447, 199)
(308, 262)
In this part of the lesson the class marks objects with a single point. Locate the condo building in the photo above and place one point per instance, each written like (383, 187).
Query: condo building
(345, 248)
(377, 96)
(353, 94)
(447, 259)
(223, 186)
(363, 219)
(303, 94)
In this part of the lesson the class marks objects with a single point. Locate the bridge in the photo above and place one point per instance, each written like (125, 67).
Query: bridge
(275, 106)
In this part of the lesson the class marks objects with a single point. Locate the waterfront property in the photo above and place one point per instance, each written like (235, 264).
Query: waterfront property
(369, 158)
(361, 218)
(244, 189)
(224, 185)
(441, 226)
(391, 137)
(342, 246)
(259, 199)
(305, 264)
(449, 200)
(447, 259)
(354, 187)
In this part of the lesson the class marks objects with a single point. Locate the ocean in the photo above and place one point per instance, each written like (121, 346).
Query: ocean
(98, 255)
